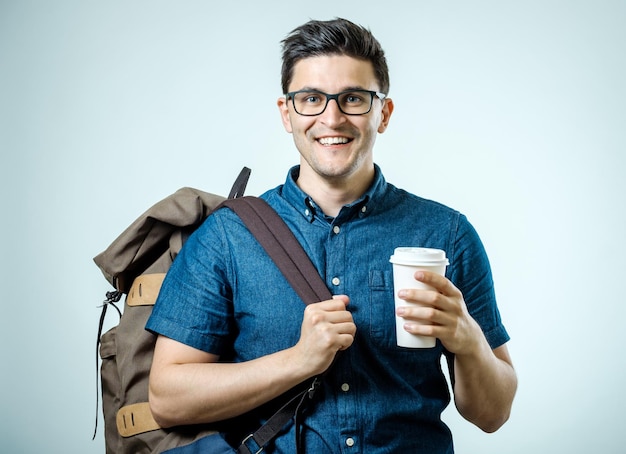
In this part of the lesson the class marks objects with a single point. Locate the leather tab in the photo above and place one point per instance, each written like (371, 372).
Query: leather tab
(145, 289)
(135, 419)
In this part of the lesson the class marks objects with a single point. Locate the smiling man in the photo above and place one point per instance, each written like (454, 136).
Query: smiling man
(233, 336)
(335, 137)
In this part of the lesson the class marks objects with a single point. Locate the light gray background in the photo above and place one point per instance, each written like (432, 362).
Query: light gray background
(512, 112)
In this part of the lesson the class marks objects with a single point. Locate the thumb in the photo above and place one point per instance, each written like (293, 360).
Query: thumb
(343, 298)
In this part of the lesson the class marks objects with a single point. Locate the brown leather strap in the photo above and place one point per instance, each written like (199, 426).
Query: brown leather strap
(282, 246)
(135, 419)
(145, 289)
(287, 253)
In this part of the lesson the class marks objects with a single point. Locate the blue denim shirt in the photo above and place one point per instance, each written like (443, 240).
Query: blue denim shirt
(223, 295)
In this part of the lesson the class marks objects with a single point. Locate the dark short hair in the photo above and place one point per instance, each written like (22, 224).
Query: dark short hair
(333, 37)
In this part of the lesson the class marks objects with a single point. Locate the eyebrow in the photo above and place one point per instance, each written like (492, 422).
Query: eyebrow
(352, 88)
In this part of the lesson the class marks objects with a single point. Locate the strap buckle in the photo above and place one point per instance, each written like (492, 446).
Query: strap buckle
(245, 441)
(314, 387)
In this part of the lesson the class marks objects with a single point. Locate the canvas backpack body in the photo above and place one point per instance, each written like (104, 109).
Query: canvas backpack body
(135, 264)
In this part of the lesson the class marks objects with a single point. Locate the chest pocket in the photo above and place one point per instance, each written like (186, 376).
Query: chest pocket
(382, 308)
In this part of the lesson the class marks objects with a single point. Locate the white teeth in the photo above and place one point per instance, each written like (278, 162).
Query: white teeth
(333, 140)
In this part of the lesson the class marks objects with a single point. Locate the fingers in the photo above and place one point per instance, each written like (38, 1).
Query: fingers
(439, 312)
(436, 286)
(331, 316)
(327, 327)
(437, 282)
(429, 307)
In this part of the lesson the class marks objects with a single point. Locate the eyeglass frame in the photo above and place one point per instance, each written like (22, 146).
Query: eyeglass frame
(335, 96)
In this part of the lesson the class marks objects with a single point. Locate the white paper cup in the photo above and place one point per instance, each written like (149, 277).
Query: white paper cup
(406, 261)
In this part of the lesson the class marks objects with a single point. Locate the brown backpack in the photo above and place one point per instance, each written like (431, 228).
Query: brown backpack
(135, 264)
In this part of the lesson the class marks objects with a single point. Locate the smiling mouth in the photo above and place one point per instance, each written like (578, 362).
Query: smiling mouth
(333, 140)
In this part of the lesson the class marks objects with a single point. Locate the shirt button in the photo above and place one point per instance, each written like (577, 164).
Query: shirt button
(349, 441)
(336, 229)
(336, 281)
(307, 212)
(364, 209)
(345, 387)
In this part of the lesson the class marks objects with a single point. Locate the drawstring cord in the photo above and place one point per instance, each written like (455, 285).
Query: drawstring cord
(112, 297)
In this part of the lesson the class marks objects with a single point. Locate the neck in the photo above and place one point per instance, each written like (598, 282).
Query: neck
(332, 193)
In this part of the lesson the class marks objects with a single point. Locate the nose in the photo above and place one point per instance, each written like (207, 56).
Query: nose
(332, 115)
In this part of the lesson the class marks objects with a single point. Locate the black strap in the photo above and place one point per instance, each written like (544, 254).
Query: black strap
(239, 186)
(255, 442)
(282, 246)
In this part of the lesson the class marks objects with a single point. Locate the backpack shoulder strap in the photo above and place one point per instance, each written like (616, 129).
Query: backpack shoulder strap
(282, 246)
(287, 253)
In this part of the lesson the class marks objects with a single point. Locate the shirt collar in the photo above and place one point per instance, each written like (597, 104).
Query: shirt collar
(306, 206)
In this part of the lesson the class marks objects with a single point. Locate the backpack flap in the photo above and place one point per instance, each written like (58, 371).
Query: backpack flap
(146, 245)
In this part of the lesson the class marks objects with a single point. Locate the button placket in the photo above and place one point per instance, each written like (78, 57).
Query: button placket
(335, 251)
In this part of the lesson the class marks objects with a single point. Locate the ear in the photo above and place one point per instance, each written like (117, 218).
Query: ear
(283, 107)
(385, 115)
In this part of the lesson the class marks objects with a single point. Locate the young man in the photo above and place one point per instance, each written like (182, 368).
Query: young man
(233, 335)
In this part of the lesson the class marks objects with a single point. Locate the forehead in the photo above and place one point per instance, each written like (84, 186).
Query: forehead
(333, 73)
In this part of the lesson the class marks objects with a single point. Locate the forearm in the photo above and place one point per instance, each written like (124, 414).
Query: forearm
(485, 384)
(193, 393)
(189, 386)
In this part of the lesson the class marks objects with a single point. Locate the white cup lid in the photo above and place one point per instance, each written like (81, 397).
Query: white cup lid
(419, 256)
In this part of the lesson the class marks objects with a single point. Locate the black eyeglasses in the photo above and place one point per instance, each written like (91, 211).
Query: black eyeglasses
(351, 102)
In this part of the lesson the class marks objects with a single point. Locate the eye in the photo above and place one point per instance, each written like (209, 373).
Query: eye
(354, 98)
(309, 98)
